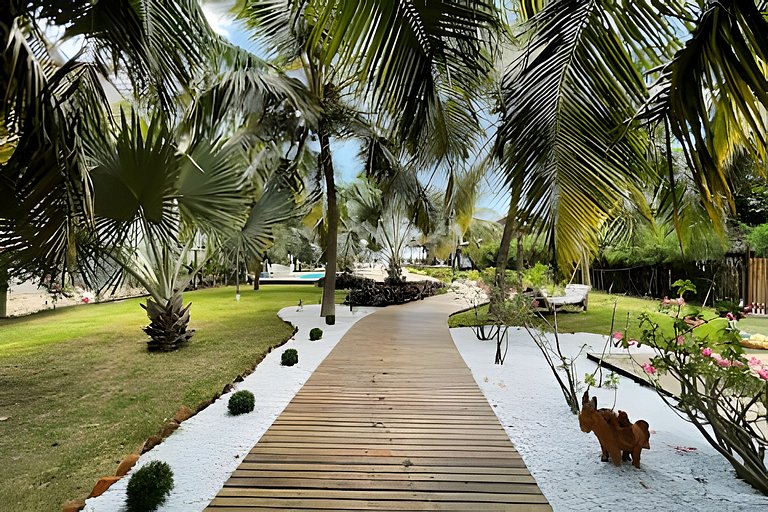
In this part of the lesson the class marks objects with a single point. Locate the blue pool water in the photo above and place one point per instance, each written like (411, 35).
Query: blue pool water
(314, 275)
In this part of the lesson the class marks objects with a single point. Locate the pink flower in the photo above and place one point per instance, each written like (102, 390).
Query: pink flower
(680, 340)
(680, 301)
(763, 374)
(649, 368)
(725, 363)
(632, 343)
(730, 316)
(753, 361)
(666, 301)
(706, 351)
(618, 336)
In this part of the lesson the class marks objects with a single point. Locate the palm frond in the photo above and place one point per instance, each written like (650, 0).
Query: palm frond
(714, 94)
(422, 63)
(565, 102)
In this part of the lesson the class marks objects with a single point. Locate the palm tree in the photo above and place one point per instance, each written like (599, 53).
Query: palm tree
(154, 195)
(51, 104)
(418, 64)
(389, 217)
(570, 138)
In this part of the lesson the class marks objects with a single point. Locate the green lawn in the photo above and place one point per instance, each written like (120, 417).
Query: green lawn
(81, 391)
(597, 319)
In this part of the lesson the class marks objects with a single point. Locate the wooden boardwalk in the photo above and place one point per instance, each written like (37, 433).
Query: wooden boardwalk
(391, 420)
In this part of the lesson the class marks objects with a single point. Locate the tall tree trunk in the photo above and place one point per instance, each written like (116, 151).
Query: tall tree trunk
(3, 293)
(510, 228)
(257, 274)
(328, 308)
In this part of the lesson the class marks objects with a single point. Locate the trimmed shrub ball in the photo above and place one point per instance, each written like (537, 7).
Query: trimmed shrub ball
(149, 486)
(290, 357)
(315, 334)
(241, 402)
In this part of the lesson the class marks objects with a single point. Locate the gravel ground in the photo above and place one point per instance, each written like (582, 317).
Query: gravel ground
(680, 472)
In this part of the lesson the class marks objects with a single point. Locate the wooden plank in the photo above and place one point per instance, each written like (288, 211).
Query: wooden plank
(323, 473)
(391, 420)
(238, 505)
(385, 469)
(371, 495)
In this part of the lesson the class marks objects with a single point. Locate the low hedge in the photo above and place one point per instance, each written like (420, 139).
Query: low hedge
(380, 294)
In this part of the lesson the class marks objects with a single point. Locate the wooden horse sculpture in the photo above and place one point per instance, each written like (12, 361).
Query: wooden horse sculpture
(619, 438)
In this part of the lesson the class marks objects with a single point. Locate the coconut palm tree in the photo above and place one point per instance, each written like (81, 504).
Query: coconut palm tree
(419, 65)
(570, 138)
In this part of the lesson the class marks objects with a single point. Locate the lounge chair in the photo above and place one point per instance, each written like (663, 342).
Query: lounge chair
(575, 295)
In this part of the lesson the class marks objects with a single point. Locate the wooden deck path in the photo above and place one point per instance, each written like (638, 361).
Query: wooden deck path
(391, 420)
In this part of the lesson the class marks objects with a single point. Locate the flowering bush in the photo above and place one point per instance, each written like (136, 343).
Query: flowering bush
(723, 393)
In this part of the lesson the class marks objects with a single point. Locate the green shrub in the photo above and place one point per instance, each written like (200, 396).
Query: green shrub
(382, 294)
(290, 357)
(537, 276)
(724, 307)
(149, 486)
(241, 402)
(315, 334)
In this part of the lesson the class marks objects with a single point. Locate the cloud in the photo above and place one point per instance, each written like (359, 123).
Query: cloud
(219, 15)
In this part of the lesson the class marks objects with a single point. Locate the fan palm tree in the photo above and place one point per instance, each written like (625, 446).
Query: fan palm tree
(50, 105)
(154, 195)
(419, 65)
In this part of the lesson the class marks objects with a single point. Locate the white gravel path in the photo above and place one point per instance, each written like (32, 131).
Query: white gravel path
(208, 447)
(680, 472)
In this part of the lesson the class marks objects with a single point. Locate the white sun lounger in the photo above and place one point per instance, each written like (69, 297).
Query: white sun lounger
(575, 295)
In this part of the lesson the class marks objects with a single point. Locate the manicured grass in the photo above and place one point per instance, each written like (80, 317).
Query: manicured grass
(597, 318)
(81, 392)
(754, 324)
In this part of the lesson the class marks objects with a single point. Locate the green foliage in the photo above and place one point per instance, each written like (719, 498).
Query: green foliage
(149, 486)
(537, 276)
(290, 357)
(758, 239)
(383, 294)
(241, 402)
(315, 334)
(723, 307)
(720, 389)
(683, 286)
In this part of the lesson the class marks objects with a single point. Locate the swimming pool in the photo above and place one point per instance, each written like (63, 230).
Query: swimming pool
(313, 275)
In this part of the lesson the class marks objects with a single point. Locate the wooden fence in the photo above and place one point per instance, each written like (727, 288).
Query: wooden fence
(757, 285)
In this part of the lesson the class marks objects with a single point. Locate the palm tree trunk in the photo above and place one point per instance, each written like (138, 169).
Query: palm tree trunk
(257, 274)
(3, 293)
(328, 308)
(510, 228)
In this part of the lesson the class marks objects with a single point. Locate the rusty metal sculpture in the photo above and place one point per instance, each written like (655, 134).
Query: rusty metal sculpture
(619, 438)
